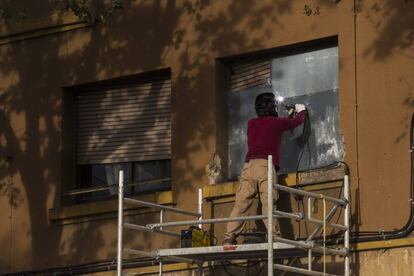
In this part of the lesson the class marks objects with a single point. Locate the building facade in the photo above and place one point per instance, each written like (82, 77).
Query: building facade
(158, 88)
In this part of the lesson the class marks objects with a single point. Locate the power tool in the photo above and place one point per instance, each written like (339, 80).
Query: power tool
(291, 110)
(194, 237)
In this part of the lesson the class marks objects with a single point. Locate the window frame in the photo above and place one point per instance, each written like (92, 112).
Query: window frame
(70, 167)
(269, 54)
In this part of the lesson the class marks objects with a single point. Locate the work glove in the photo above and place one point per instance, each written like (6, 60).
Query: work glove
(291, 111)
(299, 107)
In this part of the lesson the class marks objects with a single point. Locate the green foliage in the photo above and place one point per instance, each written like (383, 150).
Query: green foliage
(83, 9)
(10, 14)
(308, 10)
(77, 7)
(85, 12)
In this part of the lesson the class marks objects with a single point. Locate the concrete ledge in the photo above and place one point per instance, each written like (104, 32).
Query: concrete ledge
(313, 180)
(364, 246)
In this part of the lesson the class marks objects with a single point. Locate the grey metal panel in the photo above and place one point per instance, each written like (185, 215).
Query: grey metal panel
(325, 139)
(240, 110)
(306, 73)
(310, 78)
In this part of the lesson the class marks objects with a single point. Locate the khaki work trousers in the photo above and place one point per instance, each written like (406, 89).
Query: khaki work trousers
(253, 180)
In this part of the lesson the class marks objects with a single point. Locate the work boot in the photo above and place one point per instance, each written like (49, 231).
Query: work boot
(254, 237)
(230, 241)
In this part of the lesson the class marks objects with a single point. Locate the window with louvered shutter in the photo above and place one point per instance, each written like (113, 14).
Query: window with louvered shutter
(125, 124)
(127, 127)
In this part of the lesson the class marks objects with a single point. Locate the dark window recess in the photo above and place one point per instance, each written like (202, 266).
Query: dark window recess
(149, 170)
(101, 175)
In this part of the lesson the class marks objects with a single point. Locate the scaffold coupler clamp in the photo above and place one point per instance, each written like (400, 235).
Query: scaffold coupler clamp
(346, 201)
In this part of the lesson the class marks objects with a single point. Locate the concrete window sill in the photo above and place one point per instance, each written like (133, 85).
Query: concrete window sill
(309, 181)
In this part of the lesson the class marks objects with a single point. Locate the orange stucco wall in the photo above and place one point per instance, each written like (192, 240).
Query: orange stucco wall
(376, 57)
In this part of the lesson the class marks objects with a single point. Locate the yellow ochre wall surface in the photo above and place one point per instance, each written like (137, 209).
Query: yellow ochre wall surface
(51, 50)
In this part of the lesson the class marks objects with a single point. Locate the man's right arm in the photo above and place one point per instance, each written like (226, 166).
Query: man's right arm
(289, 123)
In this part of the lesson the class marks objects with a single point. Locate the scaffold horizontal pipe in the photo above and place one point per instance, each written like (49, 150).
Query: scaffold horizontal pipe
(146, 229)
(310, 245)
(137, 227)
(300, 244)
(161, 207)
(314, 195)
(139, 252)
(328, 217)
(278, 213)
(320, 222)
(301, 270)
(341, 252)
(204, 221)
(86, 190)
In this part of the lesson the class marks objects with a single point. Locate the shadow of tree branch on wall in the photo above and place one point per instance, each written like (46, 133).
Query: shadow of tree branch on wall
(393, 22)
(147, 35)
(142, 38)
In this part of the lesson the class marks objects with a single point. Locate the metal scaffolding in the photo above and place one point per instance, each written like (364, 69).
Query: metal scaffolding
(275, 248)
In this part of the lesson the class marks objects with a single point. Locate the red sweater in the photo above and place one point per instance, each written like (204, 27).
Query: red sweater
(264, 135)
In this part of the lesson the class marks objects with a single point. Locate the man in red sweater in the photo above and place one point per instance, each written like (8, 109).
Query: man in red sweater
(264, 135)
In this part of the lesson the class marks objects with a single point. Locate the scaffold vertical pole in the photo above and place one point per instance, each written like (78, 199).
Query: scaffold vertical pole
(200, 206)
(269, 216)
(309, 250)
(346, 223)
(120, 221)
(161, 221)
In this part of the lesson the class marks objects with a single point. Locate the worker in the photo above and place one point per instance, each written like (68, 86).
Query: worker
(264, 135)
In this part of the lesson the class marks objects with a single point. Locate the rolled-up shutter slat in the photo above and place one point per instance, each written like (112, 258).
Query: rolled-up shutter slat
(250, 74)
(96, 143)
(124, 97)
(125, 124)
(115, 129)
(115, 124)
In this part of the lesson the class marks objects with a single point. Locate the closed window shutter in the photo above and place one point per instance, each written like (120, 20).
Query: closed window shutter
(125, 124)
(250, 74)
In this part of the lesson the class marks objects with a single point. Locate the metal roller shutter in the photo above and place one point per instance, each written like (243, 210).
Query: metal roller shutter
(250, 74)
(125, 124)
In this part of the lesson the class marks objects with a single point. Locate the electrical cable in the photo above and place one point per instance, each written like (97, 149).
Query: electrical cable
(247, 266)
(409, 226)
(225, 269)
(363, 236)
(305, 141)
(358, 236)
(87, 268)
(258, 271)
